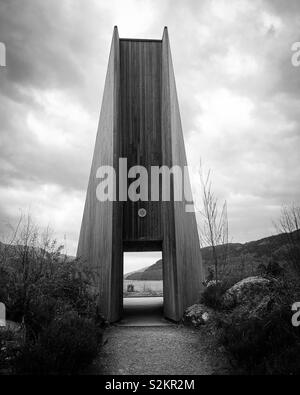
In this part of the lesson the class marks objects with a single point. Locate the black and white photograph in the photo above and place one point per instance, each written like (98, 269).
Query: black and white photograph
(149, 190)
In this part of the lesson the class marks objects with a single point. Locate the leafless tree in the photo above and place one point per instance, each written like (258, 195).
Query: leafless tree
(214, 224)
(289, 225)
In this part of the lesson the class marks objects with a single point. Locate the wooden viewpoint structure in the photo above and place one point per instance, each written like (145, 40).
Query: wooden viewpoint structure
(140, 121)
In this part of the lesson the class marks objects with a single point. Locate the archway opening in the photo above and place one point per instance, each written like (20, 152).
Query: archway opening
(143, 288)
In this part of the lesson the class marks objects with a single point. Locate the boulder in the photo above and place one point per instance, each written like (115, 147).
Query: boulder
(266, 306)
(250, 291)
(197, 315)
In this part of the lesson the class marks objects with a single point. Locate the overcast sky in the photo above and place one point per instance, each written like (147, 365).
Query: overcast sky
(237, 88)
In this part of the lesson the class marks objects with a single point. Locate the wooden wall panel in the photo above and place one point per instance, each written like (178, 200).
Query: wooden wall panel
(140, 128)
(182, 257)
(100, 244)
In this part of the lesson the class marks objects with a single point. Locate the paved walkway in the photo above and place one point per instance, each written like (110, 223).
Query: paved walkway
(143, 312)
(148, 344)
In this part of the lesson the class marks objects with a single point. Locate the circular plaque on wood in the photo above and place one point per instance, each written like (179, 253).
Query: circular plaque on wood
(142, 213)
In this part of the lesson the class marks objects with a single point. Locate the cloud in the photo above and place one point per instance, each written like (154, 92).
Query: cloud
(238, 94)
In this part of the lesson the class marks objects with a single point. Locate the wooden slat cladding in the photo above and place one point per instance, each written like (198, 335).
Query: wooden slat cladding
(182, 263)
(100, 243)
(140, 76)
(140, 121)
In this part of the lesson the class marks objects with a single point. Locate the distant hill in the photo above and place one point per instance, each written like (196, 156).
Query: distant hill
(153, 272)
(275, 246)
(135, 271)
(15, 250)
(250, 253)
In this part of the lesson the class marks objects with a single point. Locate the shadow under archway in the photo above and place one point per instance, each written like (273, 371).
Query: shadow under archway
(143, 311)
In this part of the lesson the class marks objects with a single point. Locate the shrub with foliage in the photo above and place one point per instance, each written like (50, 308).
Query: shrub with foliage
(67, 345)
(268, 345)
(212, 296)
(50, 294)
(261, 338)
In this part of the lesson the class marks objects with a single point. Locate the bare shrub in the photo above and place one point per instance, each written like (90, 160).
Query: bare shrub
(289, 225)
(214, 225)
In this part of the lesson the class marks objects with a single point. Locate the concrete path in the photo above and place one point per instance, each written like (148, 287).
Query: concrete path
(152, 350)
(143, 312)
(145, 343)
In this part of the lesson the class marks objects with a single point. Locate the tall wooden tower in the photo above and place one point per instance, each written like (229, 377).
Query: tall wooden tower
(140, 121)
